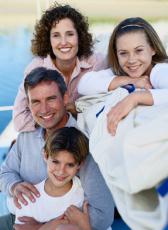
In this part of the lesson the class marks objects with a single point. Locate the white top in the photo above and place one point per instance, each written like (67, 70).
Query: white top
(47, 207)
(98, 82)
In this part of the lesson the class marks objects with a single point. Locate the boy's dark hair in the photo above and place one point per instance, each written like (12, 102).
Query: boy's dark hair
(69, 139)
(40, 74)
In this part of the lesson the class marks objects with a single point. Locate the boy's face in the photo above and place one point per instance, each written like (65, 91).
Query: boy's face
(62, 168)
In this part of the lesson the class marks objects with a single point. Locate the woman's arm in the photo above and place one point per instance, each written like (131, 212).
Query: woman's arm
(22, 118)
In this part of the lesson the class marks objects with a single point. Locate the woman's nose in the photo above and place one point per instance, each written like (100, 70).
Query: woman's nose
(63, 40)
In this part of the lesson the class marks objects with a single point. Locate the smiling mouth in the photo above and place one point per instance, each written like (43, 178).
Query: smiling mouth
(60, 178)
(133, 68)
(47, 117)
(65, 50)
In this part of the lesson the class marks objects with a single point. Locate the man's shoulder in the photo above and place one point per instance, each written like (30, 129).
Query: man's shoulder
(30, 134)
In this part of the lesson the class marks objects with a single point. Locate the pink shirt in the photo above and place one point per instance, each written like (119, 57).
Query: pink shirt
(22, 117)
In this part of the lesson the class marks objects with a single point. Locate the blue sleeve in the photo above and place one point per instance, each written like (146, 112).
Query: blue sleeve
(9, 173)
(101, 205)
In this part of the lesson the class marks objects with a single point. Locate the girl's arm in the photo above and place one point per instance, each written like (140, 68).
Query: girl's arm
(140, 83)
(95, 82)
(122, 108)
(104, 80)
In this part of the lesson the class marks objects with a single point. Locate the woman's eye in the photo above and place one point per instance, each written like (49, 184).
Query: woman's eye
(55, 35)
(70, 34)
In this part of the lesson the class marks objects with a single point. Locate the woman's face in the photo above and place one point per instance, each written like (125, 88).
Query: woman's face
(134, 54)
(64, 40)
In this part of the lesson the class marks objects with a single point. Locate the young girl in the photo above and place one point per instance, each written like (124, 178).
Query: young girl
(137, 59)
(133, 162)
(61, 41)
(65, 151)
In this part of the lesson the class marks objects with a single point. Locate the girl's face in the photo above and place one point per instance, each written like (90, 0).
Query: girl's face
(61, 169)
(64, 40)
(134, 54)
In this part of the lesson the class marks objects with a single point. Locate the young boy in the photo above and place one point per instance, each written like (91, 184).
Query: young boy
(64, 151)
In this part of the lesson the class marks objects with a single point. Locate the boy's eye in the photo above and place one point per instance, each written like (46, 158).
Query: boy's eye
(55, 162)
(71, 165)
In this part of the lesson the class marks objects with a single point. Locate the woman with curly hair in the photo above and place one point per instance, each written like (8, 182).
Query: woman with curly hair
(62, 42)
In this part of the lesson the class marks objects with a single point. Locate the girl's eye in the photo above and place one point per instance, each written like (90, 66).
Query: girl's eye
(139, 50)
(122, 53)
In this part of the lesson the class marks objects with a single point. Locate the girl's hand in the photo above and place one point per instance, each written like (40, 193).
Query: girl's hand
(119, 111)
(142, 83)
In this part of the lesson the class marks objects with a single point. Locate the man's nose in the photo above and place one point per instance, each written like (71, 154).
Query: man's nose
(44, 108)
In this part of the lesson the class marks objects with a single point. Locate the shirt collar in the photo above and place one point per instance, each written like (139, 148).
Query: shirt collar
(70, 123)
(83, 63)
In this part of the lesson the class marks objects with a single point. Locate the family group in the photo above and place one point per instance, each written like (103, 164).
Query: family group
(93, 129)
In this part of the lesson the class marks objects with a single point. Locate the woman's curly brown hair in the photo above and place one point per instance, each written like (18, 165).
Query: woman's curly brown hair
(41, 45)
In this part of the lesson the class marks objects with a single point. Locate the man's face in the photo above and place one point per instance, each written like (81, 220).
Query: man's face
(47, 105)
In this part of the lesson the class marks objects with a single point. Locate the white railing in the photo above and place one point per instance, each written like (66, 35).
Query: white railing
(8, 134)
(6, 108)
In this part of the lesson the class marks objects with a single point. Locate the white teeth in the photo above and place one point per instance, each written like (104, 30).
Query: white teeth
(64, 50)
(133, 67)
(47, 117)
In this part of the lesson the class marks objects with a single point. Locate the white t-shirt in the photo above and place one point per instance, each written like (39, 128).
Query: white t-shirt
(47, 207)
(98, 82)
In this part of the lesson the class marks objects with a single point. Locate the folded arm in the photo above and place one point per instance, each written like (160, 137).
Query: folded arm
(100, 201)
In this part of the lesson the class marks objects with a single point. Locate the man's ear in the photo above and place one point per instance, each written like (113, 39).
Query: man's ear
(66, 98)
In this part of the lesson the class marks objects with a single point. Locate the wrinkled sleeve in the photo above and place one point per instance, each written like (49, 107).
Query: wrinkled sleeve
(95, 82)
(9, 173)
(22, 118)
(159, 80)
(101, 205)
